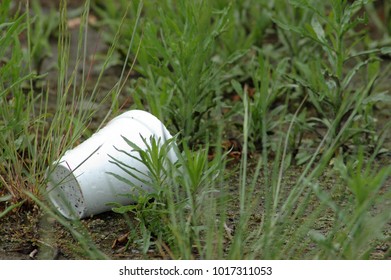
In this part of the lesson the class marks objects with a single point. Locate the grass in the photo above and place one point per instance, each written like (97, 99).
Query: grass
(301, 89)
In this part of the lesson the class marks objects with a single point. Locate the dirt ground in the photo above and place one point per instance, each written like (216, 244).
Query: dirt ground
(33, 235)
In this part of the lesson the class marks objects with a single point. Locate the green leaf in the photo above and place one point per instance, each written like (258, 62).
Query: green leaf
(9, 208)
(125, 209)
(318, 29)
(237, 87)
(385, 50)
(236, 55)
(5, 198)
(383, 97)
(289, 27)
(353, 72)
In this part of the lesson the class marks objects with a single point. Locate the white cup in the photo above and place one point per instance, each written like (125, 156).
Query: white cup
(80, 184)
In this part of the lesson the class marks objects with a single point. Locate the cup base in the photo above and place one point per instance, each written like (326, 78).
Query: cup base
(65, 193)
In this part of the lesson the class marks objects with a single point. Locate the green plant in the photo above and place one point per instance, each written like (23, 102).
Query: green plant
(110, 12)
(41, 29)
(180, 198)
(184, 80)
(380, 13)
(183, 69)
(294, 218)
(265, 110)
(38, 125)
(355, 236)
(291, 210)
(248, 25)
(15, 103)
(309, 79)
(326, 73)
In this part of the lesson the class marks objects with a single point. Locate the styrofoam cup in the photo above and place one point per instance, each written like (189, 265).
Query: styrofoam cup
(80, 184)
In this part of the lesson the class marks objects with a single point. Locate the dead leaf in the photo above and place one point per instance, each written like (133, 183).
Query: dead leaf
(123, 239)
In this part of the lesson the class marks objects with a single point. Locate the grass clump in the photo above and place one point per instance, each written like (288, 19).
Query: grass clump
(172, 217)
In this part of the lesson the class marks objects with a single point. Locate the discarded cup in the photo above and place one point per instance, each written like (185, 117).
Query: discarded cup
(80, 184)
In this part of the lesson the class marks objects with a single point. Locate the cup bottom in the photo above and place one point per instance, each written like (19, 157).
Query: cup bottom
(65, 194)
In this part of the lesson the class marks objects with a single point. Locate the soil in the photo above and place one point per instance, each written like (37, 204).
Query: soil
(34, 235)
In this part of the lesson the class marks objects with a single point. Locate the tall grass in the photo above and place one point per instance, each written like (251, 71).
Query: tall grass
(289, 208)
(35, 131)
(299, 92)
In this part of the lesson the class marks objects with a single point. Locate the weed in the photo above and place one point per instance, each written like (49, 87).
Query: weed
(173, 215)
(327, 74)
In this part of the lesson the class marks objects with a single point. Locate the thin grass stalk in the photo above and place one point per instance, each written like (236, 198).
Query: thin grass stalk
(282, 165)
